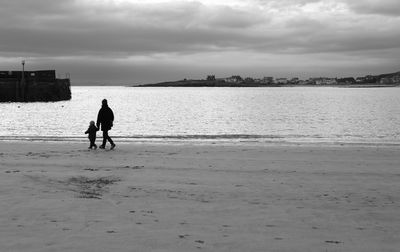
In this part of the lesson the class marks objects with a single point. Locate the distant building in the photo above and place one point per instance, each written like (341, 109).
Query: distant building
(234, 79)
(371, 79)
(282, 81)
(303, 82)
(396, 78)
(211, 77)
(324, 81)
(268, 80)
(294, 80)
(386, 81)
(360, 80)
(346, 81)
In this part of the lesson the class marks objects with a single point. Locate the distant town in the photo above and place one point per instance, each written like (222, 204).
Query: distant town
(391, 79)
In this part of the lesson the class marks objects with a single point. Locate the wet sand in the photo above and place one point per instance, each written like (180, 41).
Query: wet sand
(149, 197)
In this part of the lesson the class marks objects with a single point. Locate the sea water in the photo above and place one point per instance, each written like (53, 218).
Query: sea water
(204, 114)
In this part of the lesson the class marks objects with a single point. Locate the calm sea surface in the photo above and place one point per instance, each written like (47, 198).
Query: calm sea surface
(263, 115)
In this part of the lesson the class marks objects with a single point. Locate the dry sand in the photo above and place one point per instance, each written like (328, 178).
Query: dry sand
(149, 197)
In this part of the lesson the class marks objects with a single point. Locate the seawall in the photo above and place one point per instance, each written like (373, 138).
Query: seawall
(33, 86)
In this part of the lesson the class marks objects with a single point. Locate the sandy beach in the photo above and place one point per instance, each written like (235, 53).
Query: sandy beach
(192, 197)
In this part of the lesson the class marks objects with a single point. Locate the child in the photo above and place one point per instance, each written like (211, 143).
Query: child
(92, 134)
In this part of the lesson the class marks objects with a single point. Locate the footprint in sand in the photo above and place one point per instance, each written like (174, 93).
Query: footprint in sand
(14, 171)
(334, 242)
(136, 167)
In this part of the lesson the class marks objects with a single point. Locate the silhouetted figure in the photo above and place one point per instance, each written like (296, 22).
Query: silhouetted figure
(105, 118)
(92, 134)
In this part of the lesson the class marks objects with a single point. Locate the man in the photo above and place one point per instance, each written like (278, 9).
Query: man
(105, 118)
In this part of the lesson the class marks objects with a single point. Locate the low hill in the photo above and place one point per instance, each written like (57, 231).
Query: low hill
(203, 83)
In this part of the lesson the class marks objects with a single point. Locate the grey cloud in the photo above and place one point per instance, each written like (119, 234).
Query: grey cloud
(302, 25)
(381, 7)
(100, 38)
(286, 3)
(233, 18)
(184, 28)
(15, 13)
(117, 42)
(38, 6)
(127, 29)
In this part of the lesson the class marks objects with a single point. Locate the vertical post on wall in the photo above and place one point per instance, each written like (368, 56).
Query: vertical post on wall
(22, 84)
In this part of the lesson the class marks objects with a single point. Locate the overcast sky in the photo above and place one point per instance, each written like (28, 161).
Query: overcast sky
(143, 41)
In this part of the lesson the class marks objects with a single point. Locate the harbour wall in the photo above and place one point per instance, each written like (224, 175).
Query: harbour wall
(33, 86)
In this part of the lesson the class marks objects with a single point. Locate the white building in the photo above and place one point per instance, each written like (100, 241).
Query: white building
(282, 81)
(325, 81)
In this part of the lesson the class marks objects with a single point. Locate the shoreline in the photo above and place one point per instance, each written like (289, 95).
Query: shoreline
(276, 86)
(202, 142)
(149, 197)
(202, 83)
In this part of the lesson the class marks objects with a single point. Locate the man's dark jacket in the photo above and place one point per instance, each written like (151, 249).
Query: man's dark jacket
(105, 118)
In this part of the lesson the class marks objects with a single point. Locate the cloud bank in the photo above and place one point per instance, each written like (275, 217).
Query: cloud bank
(146, 41)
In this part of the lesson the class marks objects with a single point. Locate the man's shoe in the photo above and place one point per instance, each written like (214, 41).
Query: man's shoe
(112, 146)
(101, 147)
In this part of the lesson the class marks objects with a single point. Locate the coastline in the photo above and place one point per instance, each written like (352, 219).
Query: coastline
(204, 83)
(206, 140)
(275, 86)
(191, 197)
